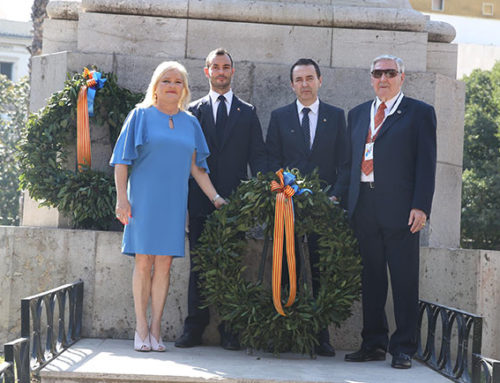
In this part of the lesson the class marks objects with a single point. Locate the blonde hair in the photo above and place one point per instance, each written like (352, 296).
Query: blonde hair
(149, 98)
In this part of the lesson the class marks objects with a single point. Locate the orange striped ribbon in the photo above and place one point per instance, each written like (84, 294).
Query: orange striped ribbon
(82, 130)
(283, 216)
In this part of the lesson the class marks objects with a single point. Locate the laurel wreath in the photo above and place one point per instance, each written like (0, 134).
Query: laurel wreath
(247, 306)
(48, 163)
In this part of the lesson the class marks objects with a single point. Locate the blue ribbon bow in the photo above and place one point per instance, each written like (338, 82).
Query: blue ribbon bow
(91, 91)
(289, 179)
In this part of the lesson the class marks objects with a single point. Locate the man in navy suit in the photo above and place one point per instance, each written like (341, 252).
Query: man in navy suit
(309, 134)
(234, 136)
(392, 140)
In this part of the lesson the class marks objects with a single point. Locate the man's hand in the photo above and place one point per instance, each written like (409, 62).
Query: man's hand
(417, 220)
(219, 202)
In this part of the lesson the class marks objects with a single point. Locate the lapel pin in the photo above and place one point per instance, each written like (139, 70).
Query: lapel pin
(399, 111)
(324, 119)
(238, 109)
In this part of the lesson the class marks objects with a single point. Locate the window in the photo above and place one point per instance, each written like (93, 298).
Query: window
(487, 9)
(6, 69)
(437, 5)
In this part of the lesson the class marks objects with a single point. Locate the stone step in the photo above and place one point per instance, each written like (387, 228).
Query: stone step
(113, 360)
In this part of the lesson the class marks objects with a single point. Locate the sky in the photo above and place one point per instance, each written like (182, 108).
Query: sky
(17, 10)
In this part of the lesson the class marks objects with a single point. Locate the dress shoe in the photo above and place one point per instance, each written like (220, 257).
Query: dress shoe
(188, 339)
(229, 342)
(324, 349)
(401, 360)
(365, 355)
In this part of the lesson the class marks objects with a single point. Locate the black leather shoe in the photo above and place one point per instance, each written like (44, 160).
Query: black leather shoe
(188, 339)
(401, 360)
(229, 342)
(324, 349)
(365, 355)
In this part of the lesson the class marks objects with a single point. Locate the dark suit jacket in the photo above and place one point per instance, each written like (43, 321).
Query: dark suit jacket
(404, 160)
(242, 145)
(286, 146)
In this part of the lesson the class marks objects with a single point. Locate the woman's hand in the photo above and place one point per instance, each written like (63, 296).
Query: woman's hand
(123, 211)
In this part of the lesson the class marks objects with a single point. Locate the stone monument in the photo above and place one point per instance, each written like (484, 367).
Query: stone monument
(131, 37)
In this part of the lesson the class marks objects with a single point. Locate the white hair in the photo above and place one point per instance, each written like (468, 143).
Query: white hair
(399, 62)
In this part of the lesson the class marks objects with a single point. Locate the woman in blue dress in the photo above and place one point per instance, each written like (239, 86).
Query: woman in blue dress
(163, 145)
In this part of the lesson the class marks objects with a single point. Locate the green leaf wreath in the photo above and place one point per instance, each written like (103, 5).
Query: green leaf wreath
(247, 306)
(48, 172)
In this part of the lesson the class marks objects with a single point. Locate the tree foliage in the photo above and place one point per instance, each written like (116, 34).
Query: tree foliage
(13, 116)
(481, 176)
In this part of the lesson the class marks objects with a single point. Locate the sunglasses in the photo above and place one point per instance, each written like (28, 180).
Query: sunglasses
(389, 73)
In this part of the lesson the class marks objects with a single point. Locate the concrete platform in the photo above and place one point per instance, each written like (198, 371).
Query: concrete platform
(110, 360)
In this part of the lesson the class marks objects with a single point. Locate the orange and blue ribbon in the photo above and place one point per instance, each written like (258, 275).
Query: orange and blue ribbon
(286, 188)
(84, 109)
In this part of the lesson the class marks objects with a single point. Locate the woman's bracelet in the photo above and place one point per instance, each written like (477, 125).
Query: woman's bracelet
(215, 198)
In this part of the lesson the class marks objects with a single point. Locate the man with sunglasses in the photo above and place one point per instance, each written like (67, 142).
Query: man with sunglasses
(392, 143)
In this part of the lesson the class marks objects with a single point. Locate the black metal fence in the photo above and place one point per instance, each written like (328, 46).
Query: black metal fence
(485, 370)
(447, 326)
(50, 323)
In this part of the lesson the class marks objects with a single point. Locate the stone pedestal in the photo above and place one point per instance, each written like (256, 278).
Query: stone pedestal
(38, 259)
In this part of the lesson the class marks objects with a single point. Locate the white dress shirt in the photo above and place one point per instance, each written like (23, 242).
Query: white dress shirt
(215, 102)
(391, 107)
(313, 117)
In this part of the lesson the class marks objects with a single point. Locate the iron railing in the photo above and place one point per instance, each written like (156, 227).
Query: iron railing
(6, 372)
(437, 350)
(485, 370)
(39, 344)
(16, 365)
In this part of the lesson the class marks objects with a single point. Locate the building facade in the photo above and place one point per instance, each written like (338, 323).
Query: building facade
(15, 40)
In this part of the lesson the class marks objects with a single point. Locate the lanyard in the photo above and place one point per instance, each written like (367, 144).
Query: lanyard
(392, 111)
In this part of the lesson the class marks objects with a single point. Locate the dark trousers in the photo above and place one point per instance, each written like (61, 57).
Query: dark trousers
(313, 247)
(398, 249)
(197, 318)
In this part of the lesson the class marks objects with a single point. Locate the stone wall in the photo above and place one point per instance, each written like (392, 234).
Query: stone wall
(266, 85)
(38, 259)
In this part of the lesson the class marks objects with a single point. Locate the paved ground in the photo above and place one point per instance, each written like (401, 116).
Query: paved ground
(115, 360)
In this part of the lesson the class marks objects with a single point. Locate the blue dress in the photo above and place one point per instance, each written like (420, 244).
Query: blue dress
(160, 160)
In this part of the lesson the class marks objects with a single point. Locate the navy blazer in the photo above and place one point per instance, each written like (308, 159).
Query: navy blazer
(404, 160)
(242, 146)
(286, 147)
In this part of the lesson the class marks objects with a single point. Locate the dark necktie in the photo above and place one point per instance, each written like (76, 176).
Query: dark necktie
(220, 122)
(306, 128)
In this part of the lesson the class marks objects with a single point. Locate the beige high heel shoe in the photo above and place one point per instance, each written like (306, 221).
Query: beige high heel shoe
(140, 344)
(157, 345)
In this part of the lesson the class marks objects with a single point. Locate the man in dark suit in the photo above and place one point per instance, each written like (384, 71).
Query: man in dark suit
(309, 134)
(392, 140)
(234, 136)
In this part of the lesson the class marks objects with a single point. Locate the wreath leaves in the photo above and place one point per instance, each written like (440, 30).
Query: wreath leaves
(247, 306)
(44, 153)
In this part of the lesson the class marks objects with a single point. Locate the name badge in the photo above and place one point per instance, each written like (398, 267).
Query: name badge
(369, 151)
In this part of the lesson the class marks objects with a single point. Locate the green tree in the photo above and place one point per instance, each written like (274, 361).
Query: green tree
(13, 116)
(481, 176)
